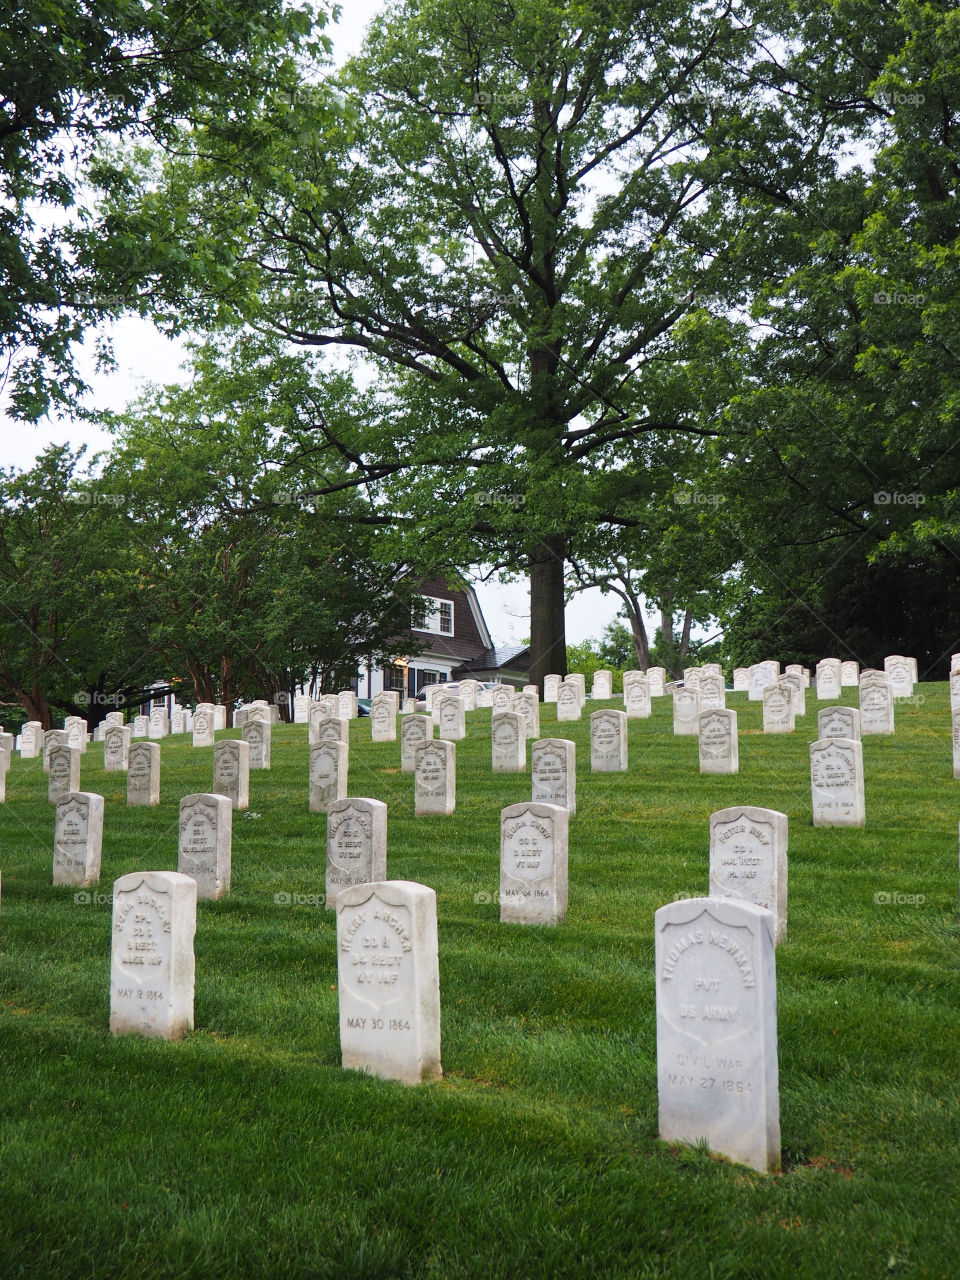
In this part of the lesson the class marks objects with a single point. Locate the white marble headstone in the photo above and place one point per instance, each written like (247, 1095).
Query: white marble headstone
(719, 751)
(838, 722)
(900, 672)
(836, 783)
(347, 708)
(501, 697)
(533, 863)
(717, 1069)
(602, 684)
(568, 701)
(636, 695)
(553, 772)
(657, 676)
(257, 734)
(206, 841)
(152, 960)
(435, 777)
(608, 741)
(78, 838)
(712, 692)
(383, 722)
(389, 980)
(508, 742)
(329, 763)
(451, 717)
(63, 772)
(356, 844)
(686, 711)
(116, 747)
(203, 727)
(76, 730)
(231, 771)
(143, 773)
(748, 859)
(53, 738)
(551, 687)
(31, 740)
(778, 712)
(414, 730)
(876, 707)
(828, 679)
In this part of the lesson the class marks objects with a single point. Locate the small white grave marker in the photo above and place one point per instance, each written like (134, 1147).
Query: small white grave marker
(414, 730)
(836, 783)
(553, 772)
(719, 752)
(435, 777)
(533, 863)
(152, 961)
(389, 980)
(78, 838)
(748, 859)
(717, 1068)
(206, 835)
(608, 741)
(329, 762)
(508, 742)
(356, 844)
(143, 773)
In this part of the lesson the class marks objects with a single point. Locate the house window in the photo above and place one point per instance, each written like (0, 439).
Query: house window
(395, 678)
(419, 678)
(436, 615)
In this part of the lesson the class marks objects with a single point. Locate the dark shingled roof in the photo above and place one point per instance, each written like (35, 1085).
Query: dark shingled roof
(515, 656)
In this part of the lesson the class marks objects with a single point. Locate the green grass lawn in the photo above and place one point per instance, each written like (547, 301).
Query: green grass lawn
(245, 1150)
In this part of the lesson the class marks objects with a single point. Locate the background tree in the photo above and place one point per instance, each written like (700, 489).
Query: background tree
(511, 230)
(73, 73)
(255, 584)
(69, 639)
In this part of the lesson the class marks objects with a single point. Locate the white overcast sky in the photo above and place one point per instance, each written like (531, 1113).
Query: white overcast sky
(144, 356)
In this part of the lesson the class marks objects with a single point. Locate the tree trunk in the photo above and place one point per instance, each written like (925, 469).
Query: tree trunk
(36, 706)
(548, 642)
(640, 643)
(685, 635)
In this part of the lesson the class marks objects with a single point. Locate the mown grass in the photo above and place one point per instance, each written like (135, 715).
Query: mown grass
(245, 1150)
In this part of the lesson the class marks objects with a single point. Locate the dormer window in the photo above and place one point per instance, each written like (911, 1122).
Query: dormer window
(435, 615)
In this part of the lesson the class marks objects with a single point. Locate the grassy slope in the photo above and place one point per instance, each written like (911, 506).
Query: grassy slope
(246, 1151)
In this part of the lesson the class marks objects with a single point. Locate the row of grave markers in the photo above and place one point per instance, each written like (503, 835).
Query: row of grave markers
(832, 675)
(715, 965)
(434, 765)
